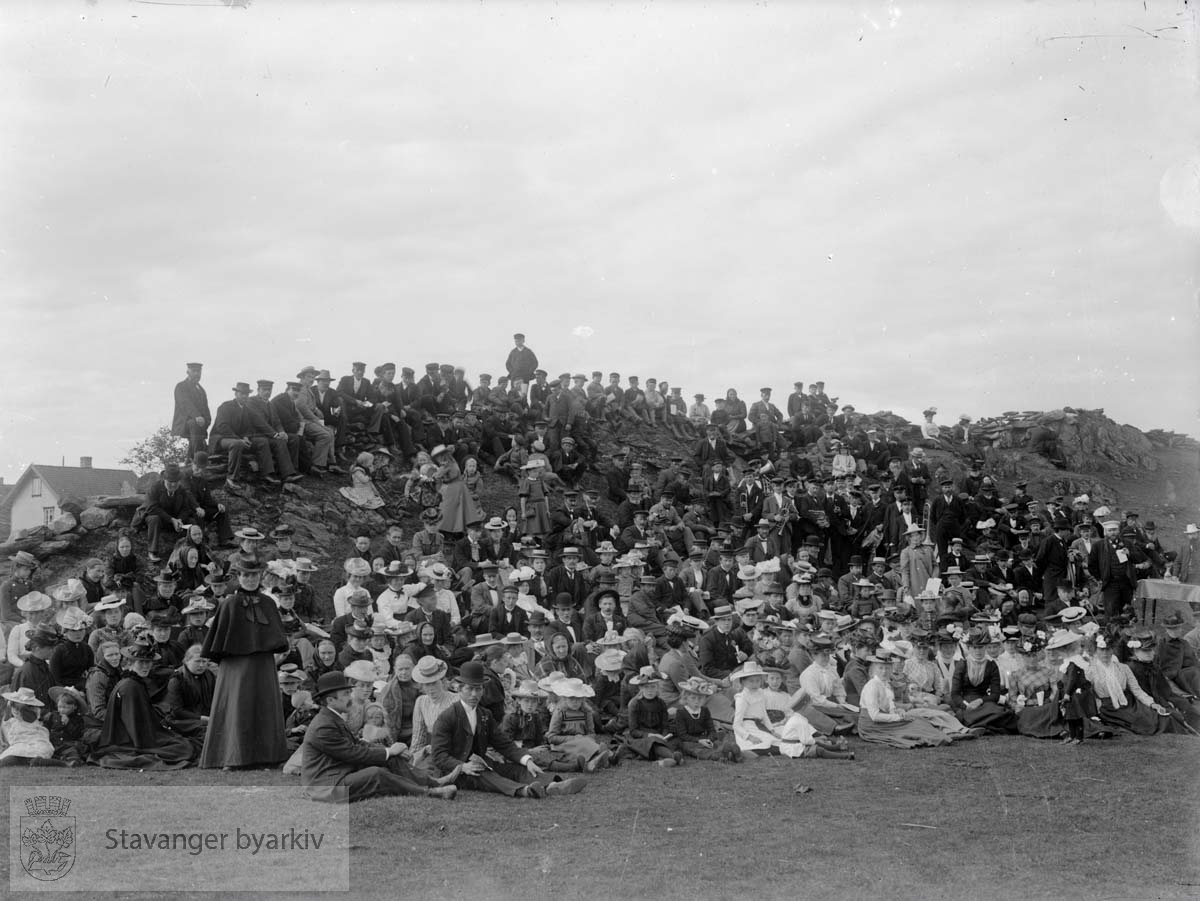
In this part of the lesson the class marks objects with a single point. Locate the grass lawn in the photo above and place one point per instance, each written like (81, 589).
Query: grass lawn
(1010, 818)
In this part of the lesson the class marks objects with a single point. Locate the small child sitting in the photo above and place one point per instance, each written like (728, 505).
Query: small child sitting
(694, 725)
(573, 725)
(648, 734)
(70, 733)
(375, 730)
(526, 725)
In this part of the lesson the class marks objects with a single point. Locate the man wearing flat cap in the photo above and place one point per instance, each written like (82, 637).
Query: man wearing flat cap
(764, 405)
(270, 426)
(191, 418)
(235, 431)
(521, 362)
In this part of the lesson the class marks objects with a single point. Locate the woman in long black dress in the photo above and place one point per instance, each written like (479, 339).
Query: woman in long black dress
(188, 703)
(246, 726)
(134, 736)
(976, 688)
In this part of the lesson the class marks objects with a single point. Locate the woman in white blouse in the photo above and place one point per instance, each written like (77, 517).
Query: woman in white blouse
(881, 722)
(1121, 700)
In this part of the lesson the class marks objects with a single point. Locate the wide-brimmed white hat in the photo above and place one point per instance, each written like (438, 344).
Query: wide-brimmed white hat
(749, 668)
(429, 670)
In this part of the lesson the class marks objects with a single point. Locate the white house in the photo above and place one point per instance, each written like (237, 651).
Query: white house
(34, 498)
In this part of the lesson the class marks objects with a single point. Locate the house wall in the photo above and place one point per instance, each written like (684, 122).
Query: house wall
(27, 510)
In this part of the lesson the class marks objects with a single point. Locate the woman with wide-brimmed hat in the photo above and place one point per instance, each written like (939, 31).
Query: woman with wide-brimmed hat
(879, 719)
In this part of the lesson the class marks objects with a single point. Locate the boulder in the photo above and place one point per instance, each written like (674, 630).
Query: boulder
(50, 548)
(38, 533)
(118, 502)
(96, 518)
(64, 522)
(72, 505)
(294, 489)
(10, 548)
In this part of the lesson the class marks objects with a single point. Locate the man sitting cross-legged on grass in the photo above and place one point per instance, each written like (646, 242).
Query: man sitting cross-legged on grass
(465, 732)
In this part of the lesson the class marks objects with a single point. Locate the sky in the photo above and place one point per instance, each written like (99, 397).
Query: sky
(983, 207)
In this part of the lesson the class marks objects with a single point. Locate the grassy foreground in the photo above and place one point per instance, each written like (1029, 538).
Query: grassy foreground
(996, 818)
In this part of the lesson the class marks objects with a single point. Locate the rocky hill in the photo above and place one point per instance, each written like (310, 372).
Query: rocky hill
(1068, 452)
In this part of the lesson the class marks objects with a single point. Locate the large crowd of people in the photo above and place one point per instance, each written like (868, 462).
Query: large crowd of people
(799, 582)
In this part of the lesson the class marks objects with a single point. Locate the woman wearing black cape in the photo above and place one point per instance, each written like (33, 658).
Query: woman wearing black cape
(245, 728)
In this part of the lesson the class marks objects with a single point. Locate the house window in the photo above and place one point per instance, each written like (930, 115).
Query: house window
(37, 487)
(48, 515)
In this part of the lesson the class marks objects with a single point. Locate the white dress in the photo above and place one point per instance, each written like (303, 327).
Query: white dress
(751, 724)
(26, 739)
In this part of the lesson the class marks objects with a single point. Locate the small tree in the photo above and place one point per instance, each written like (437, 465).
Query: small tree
(155, 452)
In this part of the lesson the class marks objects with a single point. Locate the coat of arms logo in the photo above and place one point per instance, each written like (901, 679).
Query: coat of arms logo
(47, 838)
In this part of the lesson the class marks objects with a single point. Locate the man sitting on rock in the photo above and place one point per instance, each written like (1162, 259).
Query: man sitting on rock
(169, 506)
(235, 430)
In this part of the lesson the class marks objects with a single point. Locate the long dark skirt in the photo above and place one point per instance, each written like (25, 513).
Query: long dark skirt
(1041, 721)
(245, 727)
(989, 716)
(1134, 717)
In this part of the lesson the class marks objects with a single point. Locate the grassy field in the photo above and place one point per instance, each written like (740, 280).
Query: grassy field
(996, 818)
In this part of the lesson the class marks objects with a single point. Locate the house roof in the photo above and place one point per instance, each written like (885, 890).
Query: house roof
(72, 481)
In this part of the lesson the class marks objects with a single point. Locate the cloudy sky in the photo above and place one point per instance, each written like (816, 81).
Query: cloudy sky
(985, 206)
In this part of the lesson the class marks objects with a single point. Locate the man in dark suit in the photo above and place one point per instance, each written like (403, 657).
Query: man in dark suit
(269, 426)
(284, 406)
(507, 617)
(361, 403)
(234, 431)
(334, 764)
(567, 620)
(947, 516)
(717, 652)
(711, 447)
(608, 616)
(465, 732)
(521, 362)
(191, 418)
(194, 481)
(567, 579)
(169, 507)
(329, 407)
(1053, 557)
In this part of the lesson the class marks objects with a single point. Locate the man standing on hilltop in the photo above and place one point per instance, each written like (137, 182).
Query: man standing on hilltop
(191, 418)
(521, 362)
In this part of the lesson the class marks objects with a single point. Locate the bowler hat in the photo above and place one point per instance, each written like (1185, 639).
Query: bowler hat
(472, 673)
(331, 682)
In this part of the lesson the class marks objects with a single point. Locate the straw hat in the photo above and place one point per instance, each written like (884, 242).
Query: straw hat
(609, 661)
(70, 591)
(749, 668)
(697, 685)
(528, 689)
(646, 676)
(1062, 638)
(360, 671)
(429, 670)
(33, 602)
(23, 696)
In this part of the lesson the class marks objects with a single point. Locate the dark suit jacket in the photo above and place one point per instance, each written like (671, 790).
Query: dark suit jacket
(330, 405)
(181, 505)
(366, 391)
(191, 400)
(504, 621)
(233, 421)
(595, 628)
(285, 412)
(454, 743)
(705, 453)
(331, 752)
(557, 625)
